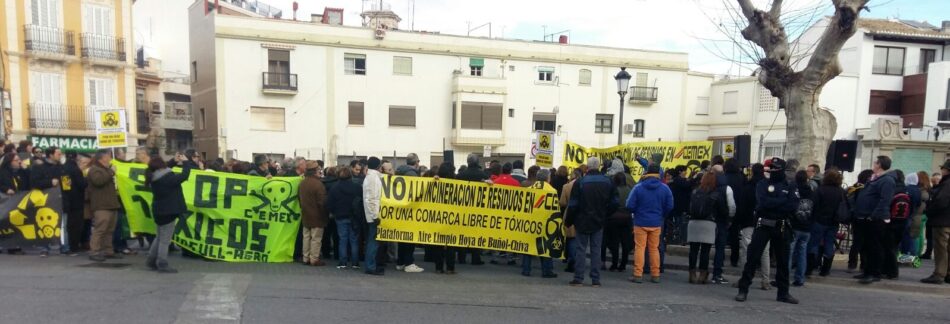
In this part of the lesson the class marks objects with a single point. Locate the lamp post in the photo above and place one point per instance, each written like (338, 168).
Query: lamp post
(623, 83)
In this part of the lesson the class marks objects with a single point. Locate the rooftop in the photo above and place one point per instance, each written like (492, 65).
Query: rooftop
(903, 29)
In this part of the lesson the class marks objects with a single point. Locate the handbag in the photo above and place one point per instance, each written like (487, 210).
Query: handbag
(843, 214)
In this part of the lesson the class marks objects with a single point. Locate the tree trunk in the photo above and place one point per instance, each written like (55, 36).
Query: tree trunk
(810, 128)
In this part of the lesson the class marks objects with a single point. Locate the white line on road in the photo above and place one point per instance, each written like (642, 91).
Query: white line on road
(216, 298)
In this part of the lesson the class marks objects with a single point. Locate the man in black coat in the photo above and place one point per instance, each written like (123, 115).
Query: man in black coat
(45, 173)
(74, 195)
(473, 173)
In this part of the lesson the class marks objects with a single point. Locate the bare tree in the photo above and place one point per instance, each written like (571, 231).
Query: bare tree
(810, 128)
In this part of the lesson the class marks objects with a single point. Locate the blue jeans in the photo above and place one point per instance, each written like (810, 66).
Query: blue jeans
(909, 244)
(798, 255)
(348, 238)
(585, 241)
(722, 235)
(823, 234)
(547, 265)
(571, 245)
(371, 247)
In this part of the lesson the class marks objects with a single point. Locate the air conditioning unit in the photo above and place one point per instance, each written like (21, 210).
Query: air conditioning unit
(628, 129)
(380, 33)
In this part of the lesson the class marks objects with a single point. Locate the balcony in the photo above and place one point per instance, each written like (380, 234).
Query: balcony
(61, 117)
(49, 42)
(943, 116)
(178, 115)
(279, 83)
(643, 95)
(102, 49)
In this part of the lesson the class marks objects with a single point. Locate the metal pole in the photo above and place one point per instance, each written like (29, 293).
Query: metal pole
(620, 122)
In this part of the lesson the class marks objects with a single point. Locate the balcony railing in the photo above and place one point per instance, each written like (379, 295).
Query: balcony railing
(60, 116)
(643, 94)
(51, 40)
(279, 81)
(102, 47)
(178, 111)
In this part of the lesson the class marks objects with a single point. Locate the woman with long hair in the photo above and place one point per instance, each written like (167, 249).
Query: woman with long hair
(168, 204)
(12, 180)
(706, 204)
(618, 231)
(827, 199)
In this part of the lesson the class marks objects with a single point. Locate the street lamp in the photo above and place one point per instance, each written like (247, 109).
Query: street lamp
(623, 83)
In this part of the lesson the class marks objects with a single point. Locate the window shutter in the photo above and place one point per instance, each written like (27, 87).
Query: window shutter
(35, 14)
(491, 116)
(642, 79)
(356, 115)
(471, 116)
(267, 119)
(402, 65)
(402, 116)
(53, 9)
(92, 92)
(584, 77)
(730, 101)
(108, 93)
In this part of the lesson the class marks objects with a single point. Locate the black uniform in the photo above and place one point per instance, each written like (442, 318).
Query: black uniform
(776, 200)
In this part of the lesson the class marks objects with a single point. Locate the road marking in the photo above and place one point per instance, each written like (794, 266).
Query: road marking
(216, 298)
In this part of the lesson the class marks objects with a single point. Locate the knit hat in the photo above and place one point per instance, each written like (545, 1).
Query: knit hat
(946, 165)
(653, 169)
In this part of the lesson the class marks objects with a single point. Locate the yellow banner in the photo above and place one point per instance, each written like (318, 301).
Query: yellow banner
(690, 154)
(471, 215)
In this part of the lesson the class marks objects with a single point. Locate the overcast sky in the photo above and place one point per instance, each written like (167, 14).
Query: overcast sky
(673, 25)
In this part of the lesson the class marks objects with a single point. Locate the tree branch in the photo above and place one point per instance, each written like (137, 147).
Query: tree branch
(776, 10)
(823, 65)
(767, 31)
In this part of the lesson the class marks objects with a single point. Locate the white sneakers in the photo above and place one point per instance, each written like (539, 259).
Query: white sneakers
(412, 268)
(400, 268)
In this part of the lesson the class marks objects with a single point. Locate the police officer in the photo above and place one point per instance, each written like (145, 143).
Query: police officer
(776, 200)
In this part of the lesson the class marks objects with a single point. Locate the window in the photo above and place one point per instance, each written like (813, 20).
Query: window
(888, 60)
(278, 61)
(702, 106)
(46, 88)
(101, 92)
(402, 116)
(402, 65)
(770, 150)
(730, 102)
(511, 68)
(584, 77)
(46, 13)
(638, 126)
(354, 64)
(642, 79)
(267, 119)
(476, 65)
(604, 124)
(97, 20)
(356, 113)
(545, 74)
(544, 122)
(885, 103)
(511, 112)
(194, 71)
(766, 101)
(481, 115)
(201, 119)
(927, 56)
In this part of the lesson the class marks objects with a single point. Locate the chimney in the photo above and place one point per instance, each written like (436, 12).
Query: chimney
(946, 27)
(316, 18)
(295, 10)
(562, 39)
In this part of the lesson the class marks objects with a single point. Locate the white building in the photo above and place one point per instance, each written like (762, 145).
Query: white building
(327, 91)
(892, 96)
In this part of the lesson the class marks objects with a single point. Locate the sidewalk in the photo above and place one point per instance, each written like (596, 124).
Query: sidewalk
(909, 280)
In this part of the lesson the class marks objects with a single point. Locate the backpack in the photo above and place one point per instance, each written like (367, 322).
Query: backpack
(900, 206)
(703, 205)
(804, 211)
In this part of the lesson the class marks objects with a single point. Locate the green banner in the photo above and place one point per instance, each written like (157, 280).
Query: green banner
(231, 217)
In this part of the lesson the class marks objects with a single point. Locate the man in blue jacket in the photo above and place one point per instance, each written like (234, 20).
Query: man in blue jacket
(650, 201)
(872, 211)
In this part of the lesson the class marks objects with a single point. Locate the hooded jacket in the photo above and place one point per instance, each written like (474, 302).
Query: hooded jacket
(168, 200)
(650, 201)
(407, 170)
(593, 198)
(519, 175)
(874, 201)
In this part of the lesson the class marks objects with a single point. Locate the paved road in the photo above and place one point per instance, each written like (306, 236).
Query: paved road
(65, 289)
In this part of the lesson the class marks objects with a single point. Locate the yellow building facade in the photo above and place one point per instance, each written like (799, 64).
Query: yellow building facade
(62, 61)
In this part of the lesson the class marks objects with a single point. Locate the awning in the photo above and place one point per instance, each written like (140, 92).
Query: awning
(479, 62)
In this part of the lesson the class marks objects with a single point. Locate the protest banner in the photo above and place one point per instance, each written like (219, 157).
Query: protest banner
(231, 217)
(31, 218)
(672, 154)
(471, 215)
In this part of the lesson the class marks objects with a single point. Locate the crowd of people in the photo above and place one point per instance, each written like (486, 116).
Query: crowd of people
(764, 212)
